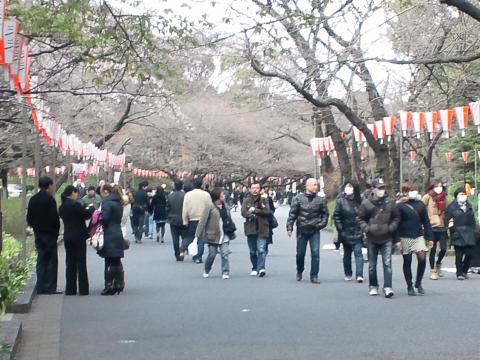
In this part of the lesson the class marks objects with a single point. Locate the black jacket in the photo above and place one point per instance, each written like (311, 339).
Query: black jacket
(74, 215)
(140, 202)
(345, 219)
(379, 220)
(229, 227)
(309, 211)
(463, 231)
(42, 214)
(112, 211)
(159, 207)
(414, 220)
(175, 207)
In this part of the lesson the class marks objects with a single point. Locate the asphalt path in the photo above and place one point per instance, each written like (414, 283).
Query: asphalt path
(168, 311)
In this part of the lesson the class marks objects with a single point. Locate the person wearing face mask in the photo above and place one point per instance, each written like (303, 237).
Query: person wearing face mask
(436, 202)
(461, 221)
(349, 232)
(378, 217)
(413, 230)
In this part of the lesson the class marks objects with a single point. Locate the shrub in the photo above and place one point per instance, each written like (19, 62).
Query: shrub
(14, 273)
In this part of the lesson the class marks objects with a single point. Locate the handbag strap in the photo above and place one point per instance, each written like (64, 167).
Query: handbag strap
(415, 211)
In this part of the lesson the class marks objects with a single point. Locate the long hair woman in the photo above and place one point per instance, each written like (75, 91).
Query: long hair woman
(159, 206)
(75, 235)
(112, 251)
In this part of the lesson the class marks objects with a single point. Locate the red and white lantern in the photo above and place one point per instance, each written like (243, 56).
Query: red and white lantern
(405, 120)
(448, 157)
(380, 128)
(431, 119)
(475, 111)
(373, 130)
(389, 126)
(413, 155)
(418, 119)
(461, 113)
(358, 135)
(465, 156)
(446, 117)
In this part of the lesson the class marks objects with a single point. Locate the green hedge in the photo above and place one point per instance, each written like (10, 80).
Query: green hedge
(14, 273)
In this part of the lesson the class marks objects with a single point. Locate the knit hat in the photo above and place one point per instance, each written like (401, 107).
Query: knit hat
(458, 191)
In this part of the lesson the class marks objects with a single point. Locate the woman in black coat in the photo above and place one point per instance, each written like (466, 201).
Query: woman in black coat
(159, 207)
(75, 235)
(461, 222)
(349, 232)
(113, 244)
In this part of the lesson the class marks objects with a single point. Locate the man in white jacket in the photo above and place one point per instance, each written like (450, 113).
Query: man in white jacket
(195, 203)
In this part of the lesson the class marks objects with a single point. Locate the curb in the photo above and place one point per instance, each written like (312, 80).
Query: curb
(23, 302)
(10, 335)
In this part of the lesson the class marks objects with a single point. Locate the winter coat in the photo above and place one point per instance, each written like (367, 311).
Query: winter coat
(414, 220)
(159, 206)
(463, 231)
(112, 212)
(175, 207)
(435, 215)
(379, 219)
(42, 214)
(208, 226)
(74, 215)
(140, 203)
(258, 222)
(96, 201)
(309, 211)
(345, 219)
(229, 227)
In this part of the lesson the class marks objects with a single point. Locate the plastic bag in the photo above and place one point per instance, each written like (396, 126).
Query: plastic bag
(193, 247)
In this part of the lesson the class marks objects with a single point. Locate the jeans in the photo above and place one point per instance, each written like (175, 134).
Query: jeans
(302, 241)
(463, 256)
(47, 263)
(160, 227)
(257, 245)
(188, 238)
(385, 251)
(76, 267)
(347, 259)
(212, 253)
(138, 221)
(176, 231)
(148, 228)
(441, 237)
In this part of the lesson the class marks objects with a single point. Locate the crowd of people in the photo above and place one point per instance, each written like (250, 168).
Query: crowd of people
(410, 225)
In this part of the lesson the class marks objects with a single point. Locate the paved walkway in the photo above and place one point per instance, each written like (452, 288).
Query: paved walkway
(170, 312)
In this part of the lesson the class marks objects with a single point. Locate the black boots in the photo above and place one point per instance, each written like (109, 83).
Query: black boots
(114, 280)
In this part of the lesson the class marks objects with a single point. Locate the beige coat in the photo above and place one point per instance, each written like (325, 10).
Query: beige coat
(195, 203)
(435, 215)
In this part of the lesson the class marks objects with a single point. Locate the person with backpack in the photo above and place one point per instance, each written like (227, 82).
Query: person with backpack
(379, 217)
(413, 230)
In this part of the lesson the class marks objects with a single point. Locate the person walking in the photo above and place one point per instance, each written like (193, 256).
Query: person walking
(139, 209)
(113, 245)
(413, 230)
(436, 201)
(159, 207)
(174, 216)
(217, 228)
(349, 232)
(379, 218)
(461, 223)
(127, 200)
(75, 235)
(91, 198)
(195, 203)
(310, 213)
(42, 216)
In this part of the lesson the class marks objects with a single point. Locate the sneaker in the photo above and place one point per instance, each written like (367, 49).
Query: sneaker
(262, 273)
(373, 291)
(205, 275)
(314, 280)
(198, 261)
(348, 278)
(359, 279)
(465, 275)
(420, 289)
(411, 291)
(299, 277)
(253, 273)
(225, 276)
(460, 277)
(388, 292)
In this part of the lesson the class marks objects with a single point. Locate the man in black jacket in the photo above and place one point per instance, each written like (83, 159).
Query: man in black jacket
(379, 218)
(174, 217)
(42, 216)
(310, 212)
(139, 208)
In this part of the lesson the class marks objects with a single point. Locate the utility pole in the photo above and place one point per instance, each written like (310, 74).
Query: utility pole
(23, 213)
(401, 159)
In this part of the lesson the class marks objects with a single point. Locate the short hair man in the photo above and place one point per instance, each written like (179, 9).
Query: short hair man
(174, 218)
(91, 198)
(42, 216)
(310, 212)
(256, 211)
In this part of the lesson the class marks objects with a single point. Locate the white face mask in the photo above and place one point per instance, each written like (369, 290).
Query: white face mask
(462, 199)
(348, 190)
(380, 193)
(413, 194)
(438, 190)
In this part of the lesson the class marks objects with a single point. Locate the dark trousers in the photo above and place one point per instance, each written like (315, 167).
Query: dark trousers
(302, 242)
(76, 268)
(407, 269)
(438, 237)
(112, 261)
(188, 239)
(176, 233)
(385, 251)
(347, 259)
(47, 263)
(463, 256)
(137, 222)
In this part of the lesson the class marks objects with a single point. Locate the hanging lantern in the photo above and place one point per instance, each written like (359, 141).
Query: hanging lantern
(373, 130)
(431, 119)
(389, 126)
(461, 113)
(379, 127)
(358, 135)
(418, 119)
(413, 155)
(446, 121)
(475, 111)
(405, 119)
(465, 156)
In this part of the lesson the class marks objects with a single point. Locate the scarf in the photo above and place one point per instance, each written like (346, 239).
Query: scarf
(440, 200)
